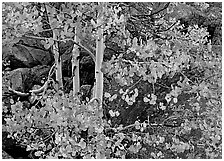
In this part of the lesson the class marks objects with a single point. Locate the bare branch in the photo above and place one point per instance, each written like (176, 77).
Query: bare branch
(18, 92)
(165, 7)
(78, 44)
(34, 91)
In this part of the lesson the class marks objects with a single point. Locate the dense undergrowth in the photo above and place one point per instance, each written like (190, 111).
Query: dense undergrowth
(61, 126)
(64, 128)
(176, 77)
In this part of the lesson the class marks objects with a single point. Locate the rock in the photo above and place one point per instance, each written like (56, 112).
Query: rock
(12, 150)
(20, 52)
(39, 73)
(17, 79)
(22, 56)
(40, 57)
(86, 91)
(23, 79)
(10, 59)
(87, 70)
(6, 155)
(65, 47)
(30, 42)
(67, 64)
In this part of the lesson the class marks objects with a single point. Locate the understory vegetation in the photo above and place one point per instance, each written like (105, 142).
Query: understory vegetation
(156, 92)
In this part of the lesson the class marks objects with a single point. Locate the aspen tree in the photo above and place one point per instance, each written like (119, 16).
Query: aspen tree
(75, 64)
(58, 63)
(99, 57)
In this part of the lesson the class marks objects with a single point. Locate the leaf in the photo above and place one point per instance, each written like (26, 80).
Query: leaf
(38, 153)
(100, 156)
(54, 23)
(5, 109)
(12, 101)
(136, 90)
(168, 98)
(130, 103)
(175, 100)
(50, 41)
(133, 149)
(121, 91)
(42, 9)
(93, 23)
(117, 113)
(134, 43)
(145, 99)
(154, 97)
(107, 95)
(112, 114)
(154, 74)
(152, 102)
(82, 144)
(161, 139)
(28, 148)
(131, 72)
(180, 148)
(114, 96)
(47, 46)
(162, 107)
(137, 125)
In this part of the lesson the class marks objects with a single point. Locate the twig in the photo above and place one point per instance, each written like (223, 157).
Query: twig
(168, 27)
(51, 72)
(48, 137)
(153, 88)
(135, 84)
(171, 117)
(34, 91)
(210, 77)
(162, 85)
(18, 92)
(166, 6)
(187, 78)
(41, 127)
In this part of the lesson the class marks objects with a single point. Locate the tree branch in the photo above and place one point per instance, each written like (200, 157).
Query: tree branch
(165, 7)
(78, 44)
(34, 91)
(18, 92)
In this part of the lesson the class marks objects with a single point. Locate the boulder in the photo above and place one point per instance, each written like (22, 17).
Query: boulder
(40, 57)
(17, 79)
(30, 42)
(6, 155)
(39, 73)
(23, 79)
(22, 56)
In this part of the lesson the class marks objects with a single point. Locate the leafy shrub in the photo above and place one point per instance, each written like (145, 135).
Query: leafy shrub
(189, 71)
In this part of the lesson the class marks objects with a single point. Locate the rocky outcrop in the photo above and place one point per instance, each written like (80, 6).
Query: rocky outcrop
(23, 79)
(17, 79)
(22, 56)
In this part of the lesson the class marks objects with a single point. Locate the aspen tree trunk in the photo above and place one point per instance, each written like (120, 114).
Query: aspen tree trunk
(57, 57)
(58, 63)
(75, 65)
(99, 59)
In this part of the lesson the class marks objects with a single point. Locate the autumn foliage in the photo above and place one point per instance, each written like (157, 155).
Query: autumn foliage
(169, 73)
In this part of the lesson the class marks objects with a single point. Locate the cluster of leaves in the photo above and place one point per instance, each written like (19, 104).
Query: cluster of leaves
(65, 128)
(157, 61)
(56, 130)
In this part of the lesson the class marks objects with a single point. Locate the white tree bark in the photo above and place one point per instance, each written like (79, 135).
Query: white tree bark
(99, 59)
(58, 63)
(75, 65)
